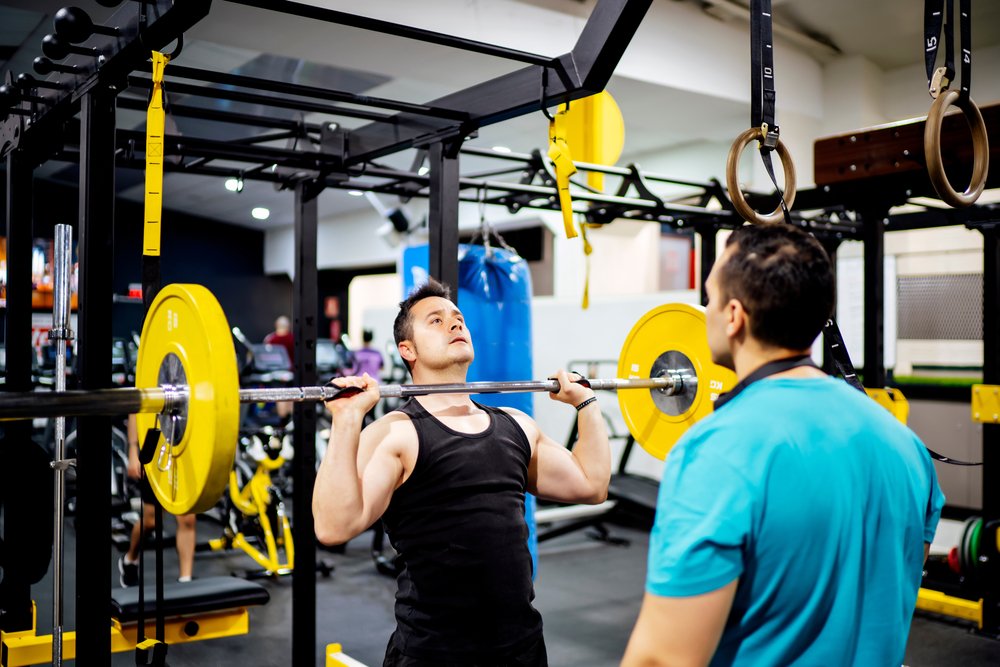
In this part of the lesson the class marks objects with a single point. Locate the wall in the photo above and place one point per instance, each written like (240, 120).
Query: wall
(918, 252)
(947, 429)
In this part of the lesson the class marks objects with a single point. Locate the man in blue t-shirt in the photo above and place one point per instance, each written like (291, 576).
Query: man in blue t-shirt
(793, 523)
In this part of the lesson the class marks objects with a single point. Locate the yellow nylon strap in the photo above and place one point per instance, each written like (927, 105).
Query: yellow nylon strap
(587, 249)
(562, 160)
(155, 120)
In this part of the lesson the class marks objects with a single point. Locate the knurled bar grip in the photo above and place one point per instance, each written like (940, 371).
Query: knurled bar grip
(25, 405)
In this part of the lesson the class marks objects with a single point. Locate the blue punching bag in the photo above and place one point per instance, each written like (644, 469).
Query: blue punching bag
(494, 293)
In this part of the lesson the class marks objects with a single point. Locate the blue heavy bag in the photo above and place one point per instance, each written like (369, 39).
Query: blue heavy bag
(494, 293)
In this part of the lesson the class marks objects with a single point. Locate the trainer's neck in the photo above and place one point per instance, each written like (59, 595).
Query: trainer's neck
(751, 356)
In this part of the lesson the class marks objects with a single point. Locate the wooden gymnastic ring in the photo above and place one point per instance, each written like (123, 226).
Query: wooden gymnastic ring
(732, 182)
(980, 148)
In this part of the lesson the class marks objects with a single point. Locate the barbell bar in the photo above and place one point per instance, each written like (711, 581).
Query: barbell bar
(168, 399)
(669, 384)
(187, 386)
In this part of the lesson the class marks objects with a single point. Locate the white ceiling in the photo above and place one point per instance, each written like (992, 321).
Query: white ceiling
(886, 32)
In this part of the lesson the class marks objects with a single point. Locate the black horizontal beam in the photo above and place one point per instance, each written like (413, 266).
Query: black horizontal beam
(263, 100)
(389, 28)
(239, 151)
(528, 159)
(300, 90)
(214, 115)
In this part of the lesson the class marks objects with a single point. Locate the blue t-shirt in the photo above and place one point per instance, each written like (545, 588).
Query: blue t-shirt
(819, 502)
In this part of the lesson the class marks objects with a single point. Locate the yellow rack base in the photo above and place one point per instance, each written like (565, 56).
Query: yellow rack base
(946, 605)
(27, 648)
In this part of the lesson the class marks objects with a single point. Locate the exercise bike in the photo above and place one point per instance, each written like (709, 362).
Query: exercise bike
(256, 514)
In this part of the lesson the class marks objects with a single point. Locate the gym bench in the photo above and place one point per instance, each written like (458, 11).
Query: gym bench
(201, 609)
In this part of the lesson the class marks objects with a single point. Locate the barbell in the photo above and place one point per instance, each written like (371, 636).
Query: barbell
(187, 385)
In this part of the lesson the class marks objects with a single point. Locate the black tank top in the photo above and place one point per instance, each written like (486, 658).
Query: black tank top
(465, 591)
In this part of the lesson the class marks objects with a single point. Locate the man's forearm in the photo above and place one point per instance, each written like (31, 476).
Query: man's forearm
(591, 450)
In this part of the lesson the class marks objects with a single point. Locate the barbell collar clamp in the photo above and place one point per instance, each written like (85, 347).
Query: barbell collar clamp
(175, 398)
(60, 333)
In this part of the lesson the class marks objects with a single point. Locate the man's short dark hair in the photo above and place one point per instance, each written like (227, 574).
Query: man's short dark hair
(402, 328)
(367, 335)
(783, 278)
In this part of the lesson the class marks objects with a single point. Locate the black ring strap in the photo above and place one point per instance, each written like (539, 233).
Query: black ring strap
(762, 92)
(938, 19)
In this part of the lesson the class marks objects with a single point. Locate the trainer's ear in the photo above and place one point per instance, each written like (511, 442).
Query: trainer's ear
(737, 319)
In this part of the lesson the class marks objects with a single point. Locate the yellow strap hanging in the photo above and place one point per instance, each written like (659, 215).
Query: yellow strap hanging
(562, 160)
(155, 122)
(587, 249)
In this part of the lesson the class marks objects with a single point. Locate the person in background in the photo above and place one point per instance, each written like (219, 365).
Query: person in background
(128, 565)
(282, 335)
(368, 360)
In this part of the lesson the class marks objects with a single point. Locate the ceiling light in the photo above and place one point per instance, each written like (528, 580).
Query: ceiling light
(234, 184)
(501, 149)
(261, 213)
(423, 171)
(356, 193)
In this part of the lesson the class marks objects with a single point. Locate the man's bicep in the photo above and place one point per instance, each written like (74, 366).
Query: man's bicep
(680, 630)
(556, 474)
(379, 479)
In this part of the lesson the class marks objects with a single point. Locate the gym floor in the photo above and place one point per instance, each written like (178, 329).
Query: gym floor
(588, 592)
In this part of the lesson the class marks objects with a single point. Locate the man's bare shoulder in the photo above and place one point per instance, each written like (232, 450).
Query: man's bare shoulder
(392, 428)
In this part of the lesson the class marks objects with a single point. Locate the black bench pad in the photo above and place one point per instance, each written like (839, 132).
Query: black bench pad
(635, 489)
(193, 597)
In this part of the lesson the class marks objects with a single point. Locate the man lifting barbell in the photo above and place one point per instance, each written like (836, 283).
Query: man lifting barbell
(448, 476)
(790, 522)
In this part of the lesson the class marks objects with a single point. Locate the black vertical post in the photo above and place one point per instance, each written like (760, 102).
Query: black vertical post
(443, 219)
(873, 223)
(305, 309)
(15, 436)
(708, 250)
(93, 458)
(991, 432)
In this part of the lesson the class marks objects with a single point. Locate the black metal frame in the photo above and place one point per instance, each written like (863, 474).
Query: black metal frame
(96, 224)
(15, 590)
(305, 306)
(989, 549)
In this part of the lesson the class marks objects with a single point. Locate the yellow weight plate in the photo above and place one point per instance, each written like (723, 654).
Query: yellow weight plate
(186, 341)
(669, 340)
